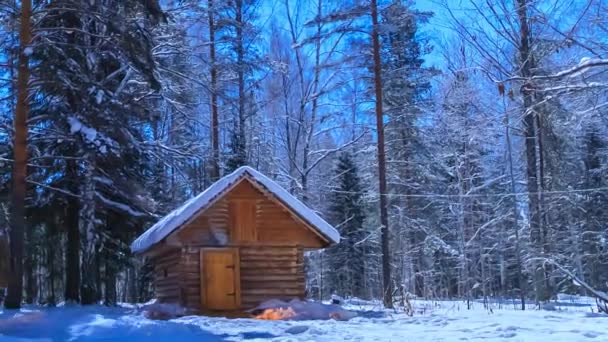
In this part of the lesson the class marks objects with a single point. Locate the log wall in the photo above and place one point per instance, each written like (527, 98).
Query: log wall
(191, 278)
(264, 231)
(271, 273)
(167, 276)
(265, 273)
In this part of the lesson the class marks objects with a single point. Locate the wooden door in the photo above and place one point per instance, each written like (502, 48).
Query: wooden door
(220, 288)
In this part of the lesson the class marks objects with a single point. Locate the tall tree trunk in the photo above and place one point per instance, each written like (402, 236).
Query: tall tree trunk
(28, 266)
(109, 279)
(72, 258)
(310, 129)
(518, 262)
(215, 136)
(526, 67)
(51, 239)
(17, 218)
(88, 234)
(544, 226)
(387, 285)
(240, 56)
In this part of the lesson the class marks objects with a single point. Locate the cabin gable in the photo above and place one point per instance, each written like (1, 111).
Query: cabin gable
(246, 216)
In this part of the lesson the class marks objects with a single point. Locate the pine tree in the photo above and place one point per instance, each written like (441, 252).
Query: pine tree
(104, 62)
(594, 254)
(346, 260)
(406, 86)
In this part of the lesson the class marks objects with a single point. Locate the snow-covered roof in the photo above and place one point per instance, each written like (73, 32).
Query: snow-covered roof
(181, 215)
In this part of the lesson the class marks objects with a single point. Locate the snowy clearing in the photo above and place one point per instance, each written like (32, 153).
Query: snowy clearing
(433, 321)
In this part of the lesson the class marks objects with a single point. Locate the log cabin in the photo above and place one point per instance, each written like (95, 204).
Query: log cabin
(235, 245)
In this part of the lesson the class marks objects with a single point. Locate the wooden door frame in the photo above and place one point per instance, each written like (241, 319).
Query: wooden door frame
(237, 273)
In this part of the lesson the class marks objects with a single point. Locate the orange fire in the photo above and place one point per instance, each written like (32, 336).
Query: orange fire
(276, 314)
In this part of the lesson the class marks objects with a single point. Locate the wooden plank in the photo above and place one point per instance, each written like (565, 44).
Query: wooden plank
(272, 277)
(272, 292)
(274, 258)
(313, 238)
(268, 251)
(270, 271)
(242, 220)
(270, 263)
(270, 285)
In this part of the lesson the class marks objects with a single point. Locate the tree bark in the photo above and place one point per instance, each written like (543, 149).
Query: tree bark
(28, 267)
(215, 144)
(386, 262)
(51, 239)
(240, 53)
(88, 234)
(526, 67)
(72, 280)
(17, 218)
(518, 262)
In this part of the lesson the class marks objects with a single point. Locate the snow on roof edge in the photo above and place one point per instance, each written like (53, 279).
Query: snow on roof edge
(176, 218)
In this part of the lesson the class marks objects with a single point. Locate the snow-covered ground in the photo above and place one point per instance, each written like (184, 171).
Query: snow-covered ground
(571, 320)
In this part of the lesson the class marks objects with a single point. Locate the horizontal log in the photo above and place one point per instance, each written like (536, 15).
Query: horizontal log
(191, 281)
(274, 258)
(193, 286)
(271, 292)
(166, 280)
(300, 286)
(169, 261)
(169, 300)
(190, 263)
(170, 288)
(262, 267)
(270, 271)
(167, 253)
(191, 292)
(191, 272)
(171, 255)
(268, 264)
(273, 277)
(186, 276)
(166, 264)
(266, 251)
(191, 267)
(171, 278)
(187, 264)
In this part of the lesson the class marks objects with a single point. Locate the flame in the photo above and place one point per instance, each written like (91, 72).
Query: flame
(276, 314)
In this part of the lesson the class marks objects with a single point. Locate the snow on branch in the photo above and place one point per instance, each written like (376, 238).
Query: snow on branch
(600, 296)
(583, 66)
(120, 206)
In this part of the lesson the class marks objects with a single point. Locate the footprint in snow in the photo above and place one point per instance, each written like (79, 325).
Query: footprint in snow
(591, 334)
(298, 329)
(508, 335)
(507, 328)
